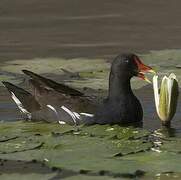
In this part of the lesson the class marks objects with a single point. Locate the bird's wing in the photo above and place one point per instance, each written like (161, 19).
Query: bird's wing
(45, 83)
(47, 91)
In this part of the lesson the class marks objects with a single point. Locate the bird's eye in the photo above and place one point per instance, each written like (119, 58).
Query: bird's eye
(126, 61)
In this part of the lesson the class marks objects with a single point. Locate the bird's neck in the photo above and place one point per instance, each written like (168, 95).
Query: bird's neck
(119, 86)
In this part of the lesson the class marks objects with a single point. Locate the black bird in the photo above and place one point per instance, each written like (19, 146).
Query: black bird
(121, 105)
(52, 101)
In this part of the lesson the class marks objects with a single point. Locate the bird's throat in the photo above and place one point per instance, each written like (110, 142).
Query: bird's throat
(119, 87)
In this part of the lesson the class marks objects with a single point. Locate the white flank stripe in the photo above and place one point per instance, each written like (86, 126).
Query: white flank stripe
(70, 113)
(53, 109)
(87, 114)
(77, 115)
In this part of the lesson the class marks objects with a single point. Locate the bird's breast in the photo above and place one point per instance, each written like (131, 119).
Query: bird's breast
(118, 111)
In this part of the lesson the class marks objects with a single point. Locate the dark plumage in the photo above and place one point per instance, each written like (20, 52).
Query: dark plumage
(53, 101)
(121, 105)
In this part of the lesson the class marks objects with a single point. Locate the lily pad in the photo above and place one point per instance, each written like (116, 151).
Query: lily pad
(171, 145)
(4, 138)
(88, 177)
(113, 149)
(95, 74)
(132, 147)
(23, 128)
(11, 77)
(28, 176)
(67, 146)
(154, 162)
(115, 131)
(19, 144)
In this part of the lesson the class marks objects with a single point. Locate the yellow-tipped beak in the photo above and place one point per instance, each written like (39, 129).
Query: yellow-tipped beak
(149, 71)
(142, 76)
(152, 71)
(147, 80)
(142, 69)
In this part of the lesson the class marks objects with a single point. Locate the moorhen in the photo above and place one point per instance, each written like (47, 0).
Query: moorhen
(52, 101)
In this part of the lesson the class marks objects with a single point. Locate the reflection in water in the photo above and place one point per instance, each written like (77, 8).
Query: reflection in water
(165, 132)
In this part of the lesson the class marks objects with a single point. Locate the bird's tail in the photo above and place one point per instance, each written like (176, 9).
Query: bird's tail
(23, 99)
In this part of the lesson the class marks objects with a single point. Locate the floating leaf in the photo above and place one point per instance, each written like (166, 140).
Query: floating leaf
(4, 138)
(131, 147)
(94, 148)
(114, 131)
(19, 144)
(171, 145)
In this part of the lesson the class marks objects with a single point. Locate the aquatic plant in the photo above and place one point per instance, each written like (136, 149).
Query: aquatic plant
(166, 98)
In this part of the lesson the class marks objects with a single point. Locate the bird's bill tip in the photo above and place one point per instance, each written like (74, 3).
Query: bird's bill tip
(152, 71)
(142, 76)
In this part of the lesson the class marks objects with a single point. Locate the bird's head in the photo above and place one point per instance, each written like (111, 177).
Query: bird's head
(130, 65)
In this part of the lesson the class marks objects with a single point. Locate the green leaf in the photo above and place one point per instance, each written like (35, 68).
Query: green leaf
(19, 144)
(81, 148)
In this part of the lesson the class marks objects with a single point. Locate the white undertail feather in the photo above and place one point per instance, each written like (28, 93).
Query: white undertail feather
(20, 105)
